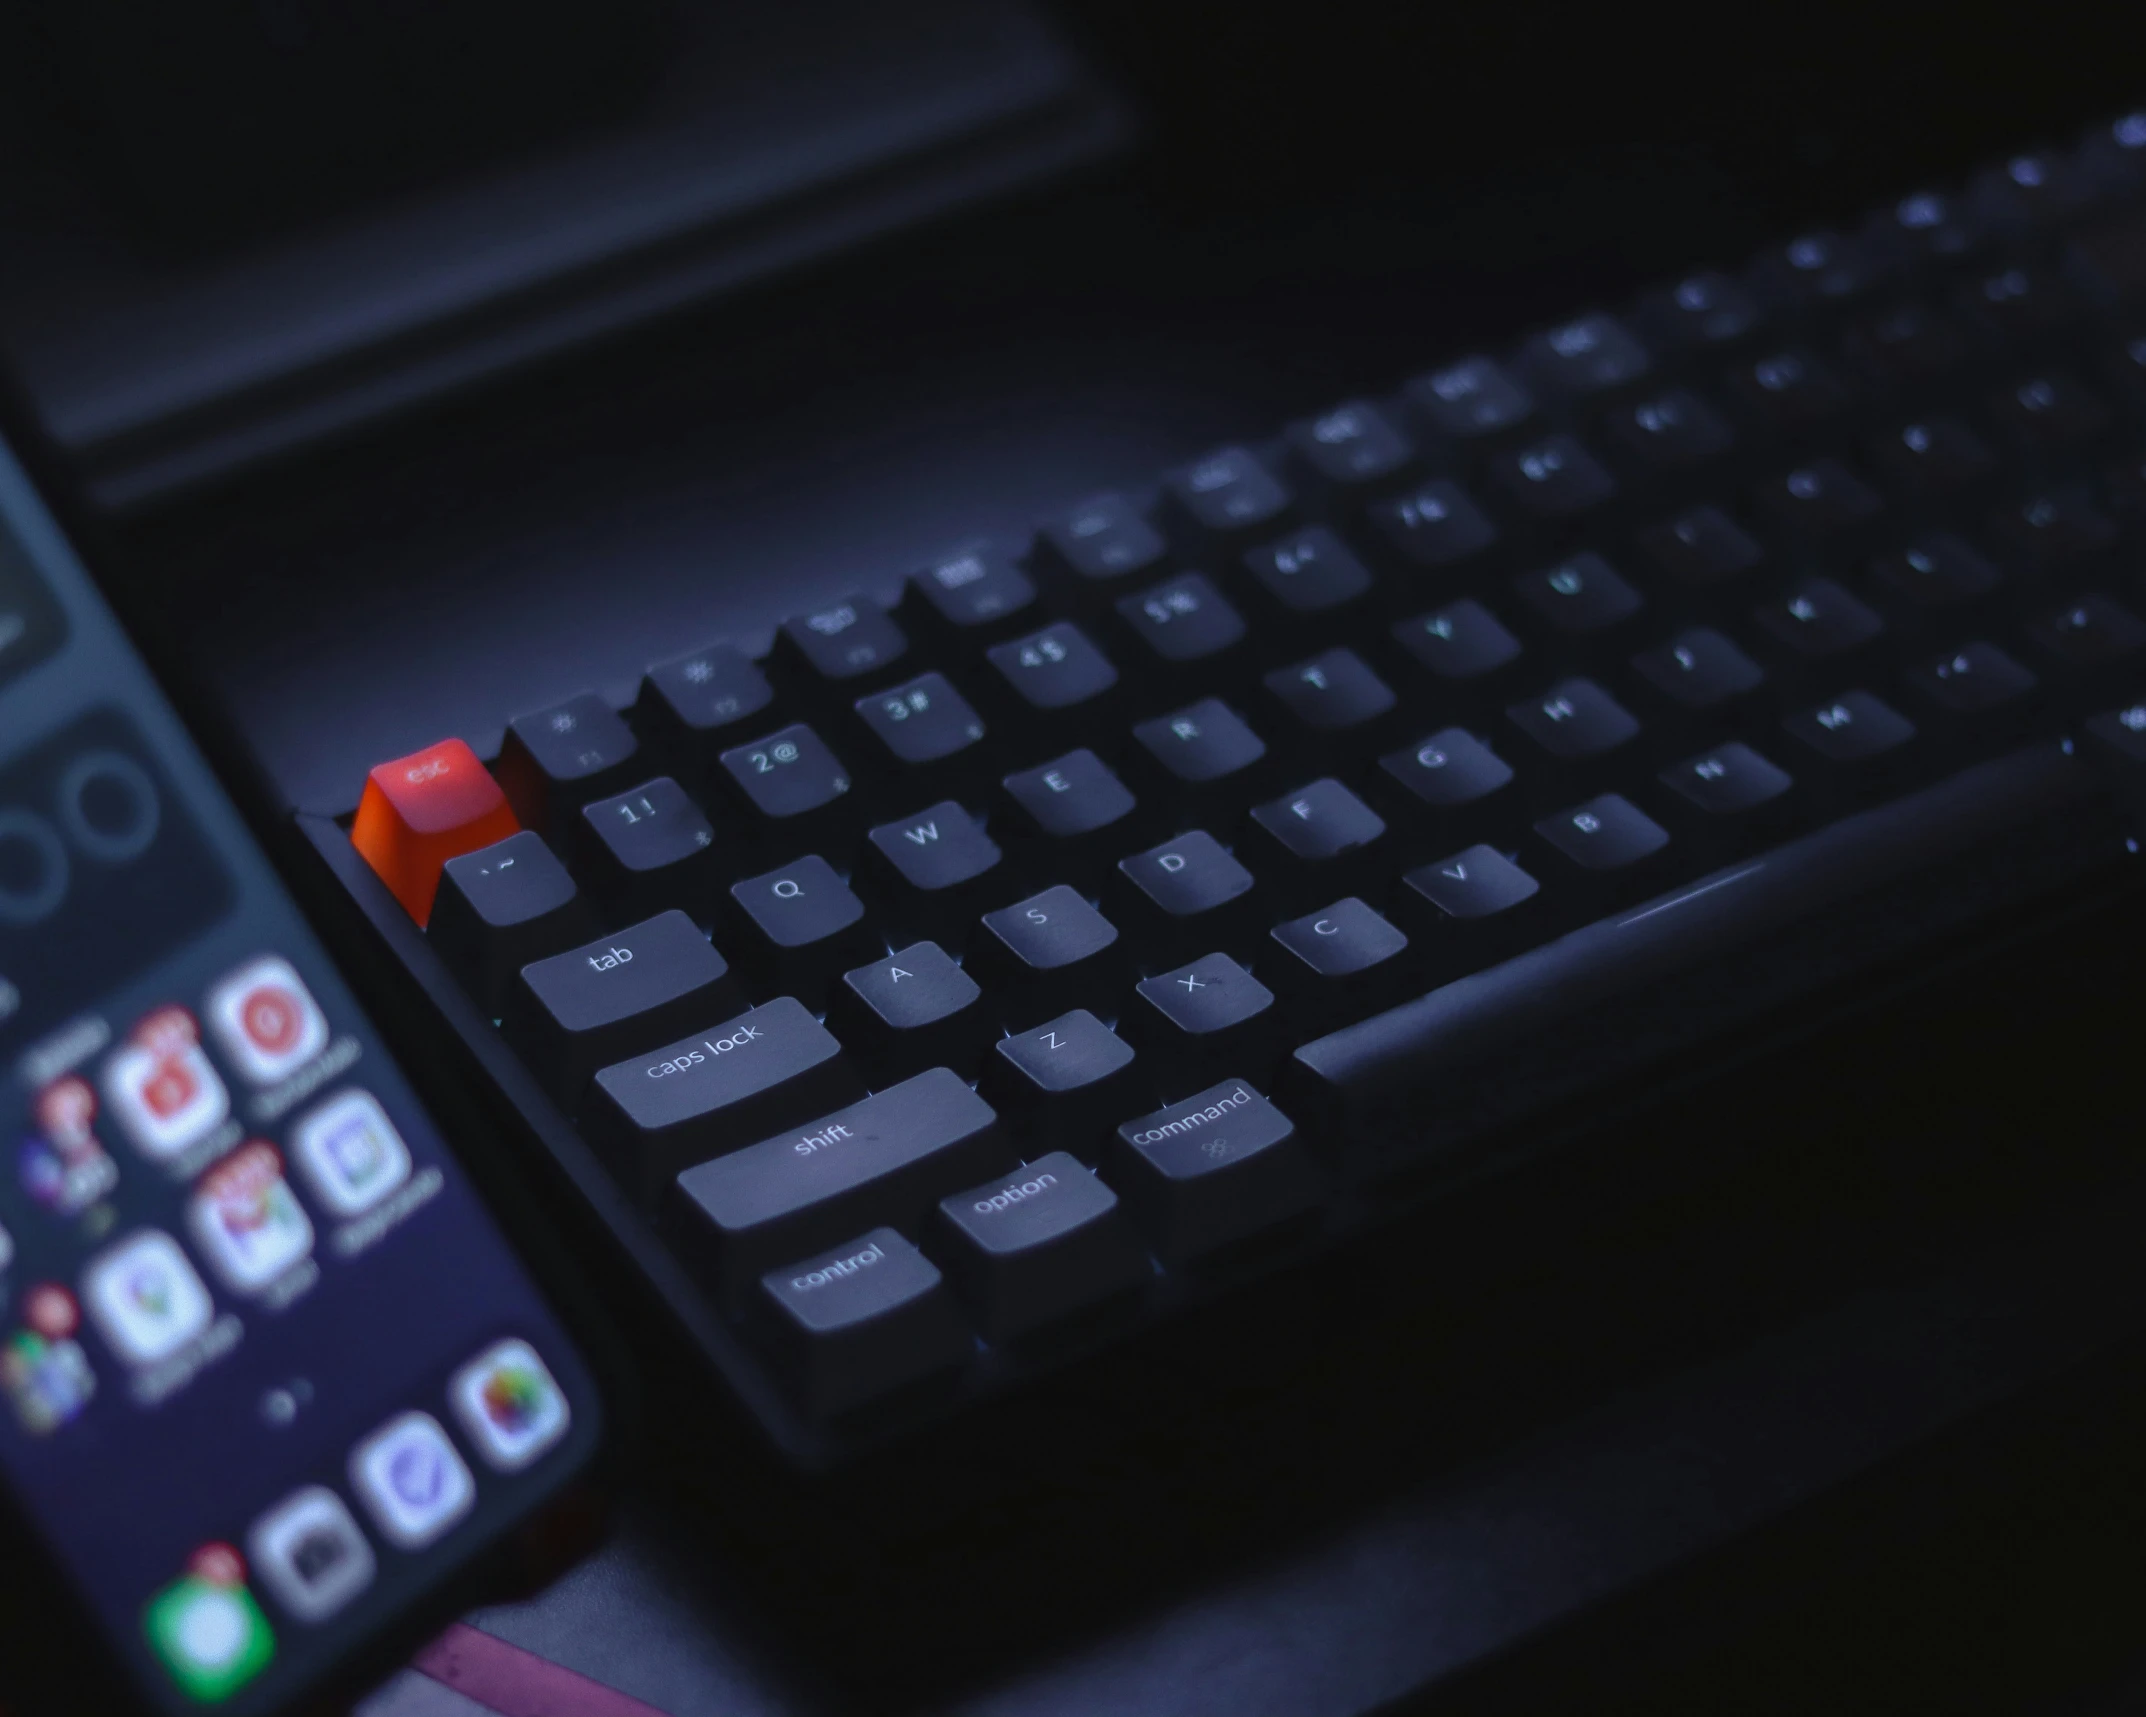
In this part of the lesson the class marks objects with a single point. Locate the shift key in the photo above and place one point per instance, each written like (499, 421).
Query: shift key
(887, 1160)
(718, 1089)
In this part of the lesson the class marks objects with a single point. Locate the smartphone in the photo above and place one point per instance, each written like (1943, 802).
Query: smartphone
(277, 1388)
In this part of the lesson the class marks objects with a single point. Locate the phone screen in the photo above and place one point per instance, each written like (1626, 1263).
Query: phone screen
(268, 1368)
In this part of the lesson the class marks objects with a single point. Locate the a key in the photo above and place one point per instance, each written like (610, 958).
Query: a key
(571, 1013)
(1574, 719)
(556, 760)
(1183, 621)
(1185, 895)
(1303, 578)
(1064, 1084)
(845, 643)
(1589, 355)
(1072, 814)
(910, 1010)
(1433, 525)
(1702, 547)
(794, 790)
(1672, 431)
(1726, 781)
(1338, 963)
(1703, 311)
(859, 1321)
(1046, 954)
(1937, 569)
(1478, 883)
(501, 907)
(1227, 496)
(1313, 844)
(2047, 415)
(1461, 641)
(691, 706)
(888, 1159)
(796, 928)
(646, 849)
(1821, 502)
(1029, 1250)
(1196, 758)
(927, 728)
(1104, 540)
(1349, 451)
(1470, 400)
(1335, 692)
(1579, 595)
(1449, 769)
(2089, 631)
(419, 811)
(1606, 833)
(1852, 728)
(917, 871)
(1054, 677)
(1213, 1172)
(1699, 668)
(1973, 678)
(1554, 478)
(977, 595)
(1933, 456)
(1788, 391)
(1817, 618)
(1203, 1016)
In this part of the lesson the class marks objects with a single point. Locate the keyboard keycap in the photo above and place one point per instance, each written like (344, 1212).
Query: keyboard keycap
(1073, 813)
(1434, 525)
(1590, 355)
(1461, 641)
(1704, 546)
(1819, 502)
(1606, 833)
(1450, 768)
(1218, 1169)
(850, 640)
(1478, 883)
(2089, 631)
(419, 811)
(1308, 573)
(1031, 1249)
(1574, 719)
(1580, 595)
(1936, 569)
(796, 790)
(1334, 692)
(2047, 415)
(556, 760)
(2054, 530)
(922, 722)
(1703, 311)
(1470, 400)
(1699, 669)
(1227, 495)
(795, 929)
(1933, 456)
(1817, 618)
(691, 705)
(1046, 954)
(1818, 269)
(1313, 844)
(572, 1013)
(1051, 671)
(917, 871)
(1972, 678)
(648, 849)
(910, 1010)
(1554, 478)
(1186, 894)
(1349, 451)
(501, 907)
(1726, 780)
(887, 1159)
(978, 594)
(1788, 392)
(1196, 758)
(1669, 432)
(1204, 1015)
(1340, 962)
(1063, 1085)
(2023, 305)
(1852, 728)
(859, 1321)
(1183, 620)
(1101, 541)
(1911, 347)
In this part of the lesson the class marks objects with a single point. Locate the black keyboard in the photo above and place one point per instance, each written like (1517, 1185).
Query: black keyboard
(962, 985)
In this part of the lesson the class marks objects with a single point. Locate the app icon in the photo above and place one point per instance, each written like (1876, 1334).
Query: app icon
(350, 1153)
(145, 1298)
(245, 1220)
(207, 1628)
(509, 1405)
(310, 1554)
(413, 1483)
(45, 1373)
(162, 1087)
(63, 1166)
(266, 1021)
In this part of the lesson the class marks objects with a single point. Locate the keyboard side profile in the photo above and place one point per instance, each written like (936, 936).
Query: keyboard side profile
(964, 985)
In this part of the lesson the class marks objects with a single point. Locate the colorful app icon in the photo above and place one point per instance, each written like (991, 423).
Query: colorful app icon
(246, 1221)
(144, 1297)
(47, 1379)
(509, 1405)
(266, 1020)
(310, 1554)
(64, 1168)
(350, 1153)
(207, 1629)
(162, 1087)
(411, 1480)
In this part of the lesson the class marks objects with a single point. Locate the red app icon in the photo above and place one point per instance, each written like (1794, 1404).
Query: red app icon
(265, 1019)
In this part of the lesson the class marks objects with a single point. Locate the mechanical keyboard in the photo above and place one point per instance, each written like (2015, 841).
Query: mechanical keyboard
(956, 986)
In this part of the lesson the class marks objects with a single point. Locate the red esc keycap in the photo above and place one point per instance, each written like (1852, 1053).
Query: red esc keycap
(422, 810)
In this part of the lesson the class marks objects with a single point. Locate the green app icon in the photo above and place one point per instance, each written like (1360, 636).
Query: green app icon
(210, 1634)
